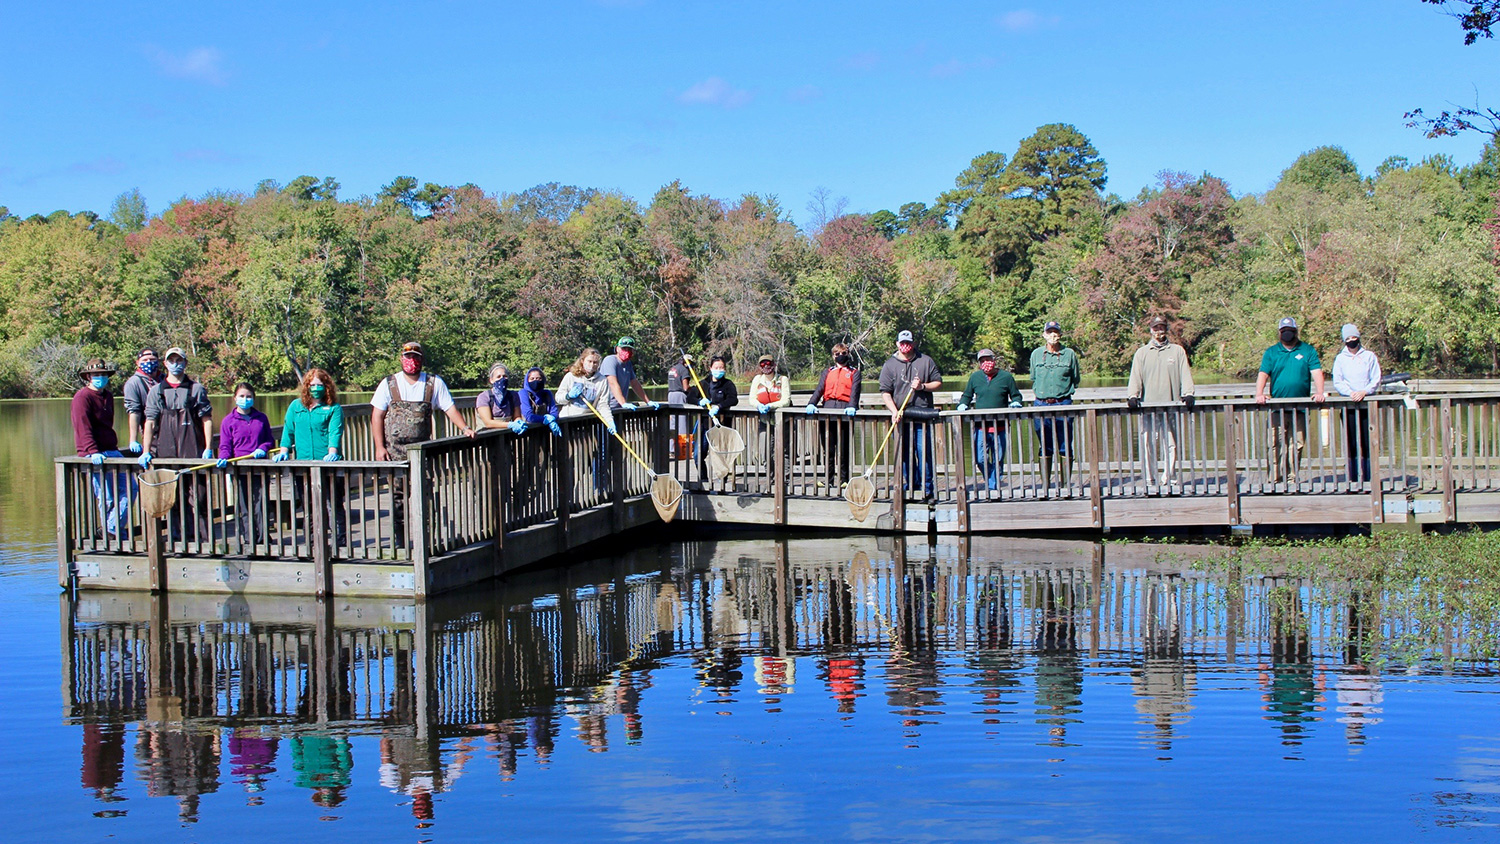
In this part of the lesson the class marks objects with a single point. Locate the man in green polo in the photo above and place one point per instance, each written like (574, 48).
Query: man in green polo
(1054, 378)
(1292, 371)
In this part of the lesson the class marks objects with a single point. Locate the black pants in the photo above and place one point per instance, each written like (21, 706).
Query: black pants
(1357, 440)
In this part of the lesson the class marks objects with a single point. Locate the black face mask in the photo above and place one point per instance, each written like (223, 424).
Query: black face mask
(841, 360)
(1352, 344)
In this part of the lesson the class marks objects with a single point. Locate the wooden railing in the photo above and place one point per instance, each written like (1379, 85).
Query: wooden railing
(474, 491)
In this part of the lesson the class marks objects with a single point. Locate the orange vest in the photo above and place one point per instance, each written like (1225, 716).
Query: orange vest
(839, 385)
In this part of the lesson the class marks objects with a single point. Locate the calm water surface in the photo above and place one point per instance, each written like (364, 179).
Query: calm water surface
(732, 690)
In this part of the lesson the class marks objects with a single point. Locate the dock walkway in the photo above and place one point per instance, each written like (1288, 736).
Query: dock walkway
(460, 510)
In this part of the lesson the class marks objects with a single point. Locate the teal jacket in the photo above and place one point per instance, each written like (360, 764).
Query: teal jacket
(311, 432)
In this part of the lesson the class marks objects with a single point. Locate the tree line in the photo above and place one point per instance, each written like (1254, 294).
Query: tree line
(262, 285)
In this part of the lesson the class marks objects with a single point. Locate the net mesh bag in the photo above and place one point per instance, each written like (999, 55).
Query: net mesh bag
(666, 494)
(725, 446)
(859, 493)
(158, 491)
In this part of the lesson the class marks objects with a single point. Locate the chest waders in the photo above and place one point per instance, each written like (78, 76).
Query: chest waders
(180, 434)
(407, 422)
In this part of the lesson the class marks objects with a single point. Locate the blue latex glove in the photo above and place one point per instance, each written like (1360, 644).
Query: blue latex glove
(556, 428)
(575, 391)
(850, 411)
(97, 458)
(763, 408)
(517, 426)
(282, 457)
(548, 419)
(611, 428)
(223, 463)
(208, 454)
(145, 460)
(704, 402)
(1015, 404)
(713, 410)
(258, 454)
(332, 457)
(654, 405)
(812, 410)
(962, 407)
(135, 447)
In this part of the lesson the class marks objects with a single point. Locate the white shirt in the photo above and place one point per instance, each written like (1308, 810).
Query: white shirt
(1355, 373)
(441, 398)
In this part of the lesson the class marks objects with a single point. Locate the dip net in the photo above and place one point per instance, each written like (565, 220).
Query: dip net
(158, 491)
(666, 495)
(725, 447)
(860, 492)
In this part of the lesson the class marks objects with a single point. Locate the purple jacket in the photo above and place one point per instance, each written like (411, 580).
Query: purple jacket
(240, 435)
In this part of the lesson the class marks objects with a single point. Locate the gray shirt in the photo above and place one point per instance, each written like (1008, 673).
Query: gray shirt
(896, 375)
(137, 388)
(190, 396)
(623, 371)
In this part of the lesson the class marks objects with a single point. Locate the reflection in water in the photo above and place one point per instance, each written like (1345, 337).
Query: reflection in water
(248, 692)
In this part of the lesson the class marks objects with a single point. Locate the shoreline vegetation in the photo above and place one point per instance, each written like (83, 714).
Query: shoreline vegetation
(261, 285)
(1403, 598)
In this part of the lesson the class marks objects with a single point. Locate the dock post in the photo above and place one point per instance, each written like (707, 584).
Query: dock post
(317, 539)
(1449, 502)
(778, 471)
(898, 483)
(1231, 462)
(617, 467)
(156, 553)
(1377, 487)
(416, 520)
(961, 471)
(498, 494)
(64, 528)
(563, 466)
(1091, 450)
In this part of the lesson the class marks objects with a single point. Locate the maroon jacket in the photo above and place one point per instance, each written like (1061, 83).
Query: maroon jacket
(93, 416)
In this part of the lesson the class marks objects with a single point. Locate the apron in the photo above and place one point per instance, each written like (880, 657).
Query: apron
(407, 422)
(178, 432)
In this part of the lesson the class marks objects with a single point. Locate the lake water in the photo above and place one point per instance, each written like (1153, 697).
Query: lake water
(740, 689)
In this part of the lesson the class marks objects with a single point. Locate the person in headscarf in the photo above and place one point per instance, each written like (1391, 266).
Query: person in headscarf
(538, 405)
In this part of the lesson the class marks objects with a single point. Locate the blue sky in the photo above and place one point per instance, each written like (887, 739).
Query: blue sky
(882, 103)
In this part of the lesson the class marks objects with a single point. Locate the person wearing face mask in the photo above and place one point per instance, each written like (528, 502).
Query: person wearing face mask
(93, 417)
(769, 391)
(1291, 370)
(314, 430)
(582, 385)
(148, 373)
(989, 387)
(403, 404)
(722, 395)
(1356, 374)
(681, 393)
(908, 371)
(619, 373)
(838, 389)
(246, 432)
(497, 407)
(538, 406)
(1055, 375)
(1159, 374)
(180, 423)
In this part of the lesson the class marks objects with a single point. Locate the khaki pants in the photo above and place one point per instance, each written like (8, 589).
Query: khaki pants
(1159, 441)
(1286, 438)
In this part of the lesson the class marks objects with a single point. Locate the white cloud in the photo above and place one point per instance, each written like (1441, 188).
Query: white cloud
(200, 64)
(1024, 20)
(714, 91)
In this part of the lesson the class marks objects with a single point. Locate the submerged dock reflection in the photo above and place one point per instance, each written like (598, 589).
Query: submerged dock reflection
(233, 692)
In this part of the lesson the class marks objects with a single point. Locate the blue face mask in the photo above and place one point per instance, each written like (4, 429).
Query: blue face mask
(500, 384)
(176, 367)
(245, 402)
(716, 373)
(148, 366)
(99, 381)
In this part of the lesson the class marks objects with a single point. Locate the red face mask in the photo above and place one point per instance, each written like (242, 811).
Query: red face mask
(987, 366)
(411, 365)
(625, 355)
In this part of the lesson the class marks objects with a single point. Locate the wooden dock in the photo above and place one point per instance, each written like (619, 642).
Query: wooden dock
(460, 510)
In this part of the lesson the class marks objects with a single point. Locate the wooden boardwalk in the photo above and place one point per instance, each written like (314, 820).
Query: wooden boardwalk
(462, 510)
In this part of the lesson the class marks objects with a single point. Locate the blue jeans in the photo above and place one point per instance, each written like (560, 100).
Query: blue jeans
(113, 495)
(1056, 431)
(916, 453)
(989, 452)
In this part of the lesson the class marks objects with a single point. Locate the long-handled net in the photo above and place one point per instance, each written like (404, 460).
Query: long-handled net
(860, 491)
(666, 491)
(725, 445)
(159, 486)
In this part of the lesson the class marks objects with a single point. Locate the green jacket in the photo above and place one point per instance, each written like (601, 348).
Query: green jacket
(1054, 376)
(984, 392)
(309, 433)
(1290, 370)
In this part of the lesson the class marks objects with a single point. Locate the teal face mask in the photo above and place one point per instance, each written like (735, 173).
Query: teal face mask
(245, 402)
(317, 391)
(99, 381)
(716, 373)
